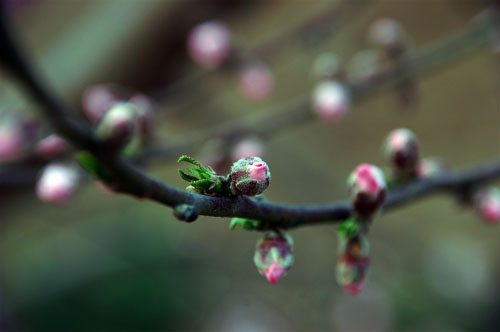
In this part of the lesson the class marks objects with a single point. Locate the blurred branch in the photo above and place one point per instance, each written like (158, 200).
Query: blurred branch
(311, 30)
(133, 181)
(270, 122)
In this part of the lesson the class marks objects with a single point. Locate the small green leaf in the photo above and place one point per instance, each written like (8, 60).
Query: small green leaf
(348, 228)
(93, 165)
(248, 224)
(187, 177)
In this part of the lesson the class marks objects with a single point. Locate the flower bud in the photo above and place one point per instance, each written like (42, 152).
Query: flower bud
(353, 263)
(186, 212)
(98, 99)
(273, 255)
(246, 148)
(249, 176)
(256, 81)
(401, 149)
(117, 126)
(367, 189)
(57, 183)
(51, 147)
(389, 34)
(487, 204)
(12, 142)
(327, 66)
(429, 167)
(330, 101)
(209, 44)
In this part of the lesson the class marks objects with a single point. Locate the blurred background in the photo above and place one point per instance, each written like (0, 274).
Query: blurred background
(111, 262)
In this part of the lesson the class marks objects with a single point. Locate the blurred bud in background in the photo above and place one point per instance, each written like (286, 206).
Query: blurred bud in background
(57, 183)
(256, 81)
(209, 44)
(330, 101)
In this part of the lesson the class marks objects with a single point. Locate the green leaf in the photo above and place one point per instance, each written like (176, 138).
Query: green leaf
(93, 165)
(187, 177)
(248, 224)
(348, 228)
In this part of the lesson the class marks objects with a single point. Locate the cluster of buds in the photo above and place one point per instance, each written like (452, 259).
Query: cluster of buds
(256, 81)
(486, 202)
(117, 126)
(402, 152)
(99, 99)
(249, 176)
(353, 262)
(210, 44)
(57, 183)
(367, 190)
(274, 255)
(330, 100)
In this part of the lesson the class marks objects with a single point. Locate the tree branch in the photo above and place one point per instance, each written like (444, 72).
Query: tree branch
(272, 215)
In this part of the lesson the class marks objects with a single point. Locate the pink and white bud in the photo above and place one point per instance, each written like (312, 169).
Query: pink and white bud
(388, 33)
(51, 147)
(429, 167)
(353, 263)
(57, 183)
(487, 203)
(249, 176)
(364, 66)
(327, 66)
(331, 101)
(12, 142)
(98, 99)
(256, 81)
(246, 148)
(144, 107)
(209, 44)
(117, 126)
(367, 189)
(401, 149)
(274, 255)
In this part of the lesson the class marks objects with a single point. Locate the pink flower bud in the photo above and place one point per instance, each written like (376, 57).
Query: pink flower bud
(51, 147)
(387, 33)
(364, 66)
(209, 44)
(248, 147)
(353, 263)
(273, 255)
(117, 126)
(98, 99)
(144, 114)
(428, 167)
(57, 183)
(487, 203)
(249, 176)
(401, 149)
(330, 101)
(327, 66)
(256, 81)
(367, 189)
(12, 142)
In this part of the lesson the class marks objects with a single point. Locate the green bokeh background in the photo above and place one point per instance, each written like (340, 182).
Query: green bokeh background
(110, 262)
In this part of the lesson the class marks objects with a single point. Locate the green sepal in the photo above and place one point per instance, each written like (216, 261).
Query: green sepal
(93, 165)
(187, 177)
(248, 224)
(348, 228)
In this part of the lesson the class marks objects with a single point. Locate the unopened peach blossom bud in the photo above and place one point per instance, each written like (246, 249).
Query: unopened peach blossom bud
(57, 183)
(51, 147)
(209, 44)
(331, 101)
(256, 81)
(367, 189)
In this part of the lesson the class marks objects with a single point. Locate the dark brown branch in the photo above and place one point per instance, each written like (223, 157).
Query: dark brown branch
(133, 181)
